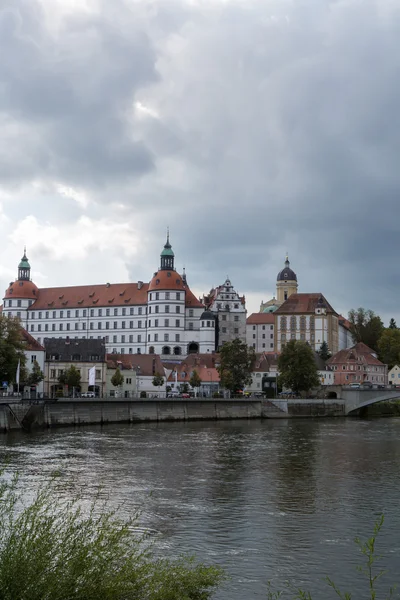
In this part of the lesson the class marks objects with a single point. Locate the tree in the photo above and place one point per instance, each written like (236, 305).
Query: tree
(55, 549)
(36, 375)
(158, 381)
(297, 368)
(389, 347)
(366, 327)
(195, 380)
(392, 324)
(117, 379)
(324, 351)
(11, 349)
(70, 377)
(236, 365)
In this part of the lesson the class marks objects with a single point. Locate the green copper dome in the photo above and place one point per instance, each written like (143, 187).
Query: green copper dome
(167, 251)
(167, 256)
(24, 264)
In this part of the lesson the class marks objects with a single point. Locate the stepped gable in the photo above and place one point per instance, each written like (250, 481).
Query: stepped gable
(304, 303)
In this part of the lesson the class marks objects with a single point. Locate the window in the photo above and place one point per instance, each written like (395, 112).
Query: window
(91, 325)
(107, 312)
(19, 305)
(283, 323)
(149, 310)
(84, 312)
(61, 326)
(156, 323)
(99, 325)
(224, 330)
(190, 326)
(139, 324)
(191, 313)
(68, 326)
(46, 327)
(131, 339)
(77, 313)
(224, 319)
(107, 324)
(177, 309)
(123, 311)
(130, 324)
(236, 318)
(254, 335)
(122, 339)
(167, 295)
(100, 312)
(115, 325)
(47, 314)
(139, 310)
(156, 337)
(156, 309)
(149, 323)
(302, 323)
(123, 324)
(263, 336)
(178, 295)
(166, 337)
(131, 311)
(68, 314)
(19, 315)
(283, 337)
(236, 330)
(177, 323)
(33, 315)
(53, 327)
(139, 338)
(115, 312)
(293, 323)
(53, 373)
(157, 296)
(167, 308)
(166, 322)
(128, 381)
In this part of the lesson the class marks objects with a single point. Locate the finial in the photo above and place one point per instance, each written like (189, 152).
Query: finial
(167, 235)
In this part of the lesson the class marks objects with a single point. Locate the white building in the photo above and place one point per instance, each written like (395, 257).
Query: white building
(260, 332)
(394, 375)
(160, 317)
(230, 313)
(34, 352)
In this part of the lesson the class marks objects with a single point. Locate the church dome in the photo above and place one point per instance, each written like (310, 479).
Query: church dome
(287, 274)
(166, 280)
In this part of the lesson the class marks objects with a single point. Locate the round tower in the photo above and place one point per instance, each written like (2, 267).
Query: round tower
(286, 283)
(207, 332)
(20, 294)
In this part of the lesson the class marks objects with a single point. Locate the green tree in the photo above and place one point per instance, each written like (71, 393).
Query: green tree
(158, 381)
(324, 351)
(236, 364)
(52, 548)
(195, 380)
(297, 369)
(392, 324)
(389, 347)
(11, 349)
(36, 375)
(70, 377)
(117, 379)
(366, 327)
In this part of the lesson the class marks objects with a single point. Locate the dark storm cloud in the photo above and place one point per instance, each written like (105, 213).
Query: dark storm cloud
(272, 126)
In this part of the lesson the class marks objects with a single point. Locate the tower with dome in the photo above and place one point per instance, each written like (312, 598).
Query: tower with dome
(286, 285)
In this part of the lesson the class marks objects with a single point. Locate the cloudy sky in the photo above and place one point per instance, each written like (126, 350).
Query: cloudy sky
(249, 127)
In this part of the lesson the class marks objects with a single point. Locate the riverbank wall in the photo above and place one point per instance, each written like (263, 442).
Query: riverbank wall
(65, 412)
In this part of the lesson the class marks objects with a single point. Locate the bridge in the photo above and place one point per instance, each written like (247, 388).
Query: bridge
(356, 399)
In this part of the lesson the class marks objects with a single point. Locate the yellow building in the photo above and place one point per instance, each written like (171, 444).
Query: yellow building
(286, 285)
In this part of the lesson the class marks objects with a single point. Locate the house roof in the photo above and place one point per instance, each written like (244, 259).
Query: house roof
(184, 372)
(87, 350)
(102, 295)
(360, 353)
(344, 322)
(304, 303)
(265, 361)
(149, 364)
(261, 319)
(32, 345)
(22, 289)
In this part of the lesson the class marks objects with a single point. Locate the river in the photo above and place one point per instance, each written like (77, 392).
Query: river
(268, 500)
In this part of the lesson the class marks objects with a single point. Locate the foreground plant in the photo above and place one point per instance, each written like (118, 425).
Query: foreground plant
(372, 575)
(52, 550)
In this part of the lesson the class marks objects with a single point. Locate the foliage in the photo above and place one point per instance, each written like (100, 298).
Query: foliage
(117, 379)
(324, 351)
(11, 348)
(368, 551)
(297, 367)
(366, 327)
(36, 375)
(195, 380)
(392, 324)
(236, 365)
(50, 549)
(70, 377)
(184, 388)
(389, 347)
(158, 380)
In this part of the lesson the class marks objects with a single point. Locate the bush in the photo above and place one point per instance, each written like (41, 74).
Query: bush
(50, 549)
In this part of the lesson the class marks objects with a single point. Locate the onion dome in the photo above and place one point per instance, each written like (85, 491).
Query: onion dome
(287, 274)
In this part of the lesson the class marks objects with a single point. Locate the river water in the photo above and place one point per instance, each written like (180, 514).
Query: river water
(268, 500)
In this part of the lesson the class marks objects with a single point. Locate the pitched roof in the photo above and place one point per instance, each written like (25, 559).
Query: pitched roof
(184, 372)
(149, 364)
(32, 345)
(344, 322)
(261, 319)
(103, 295)
(266, 361)
(67, 348)
(360, 353)
(304, 303)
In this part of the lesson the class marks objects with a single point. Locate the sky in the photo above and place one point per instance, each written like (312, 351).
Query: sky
(250, 128)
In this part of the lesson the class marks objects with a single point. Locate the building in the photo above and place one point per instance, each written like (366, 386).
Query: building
(325, 372)
(206, 367)
(356, 365)
(34, 352)
(138, 371)
(84, 354)
(160, 317)
(260, 332)
(394, 375)
(286, 285)
(309, 318)
(264, 375)
(229, 310)
(346, 340)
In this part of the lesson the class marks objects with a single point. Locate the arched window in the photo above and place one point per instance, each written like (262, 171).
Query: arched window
(312, 322)
(193, 348)
(177, 351)
(302, 323)
(151, 350)
(166, 350)
(293, 323)
(283, 323)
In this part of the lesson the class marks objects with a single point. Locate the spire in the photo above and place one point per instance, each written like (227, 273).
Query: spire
(287, 263)
(167, 255)
(24, 268)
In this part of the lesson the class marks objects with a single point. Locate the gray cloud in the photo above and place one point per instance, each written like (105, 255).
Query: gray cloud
(271, 126)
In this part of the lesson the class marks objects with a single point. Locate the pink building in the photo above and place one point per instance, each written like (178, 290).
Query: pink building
(356, 365)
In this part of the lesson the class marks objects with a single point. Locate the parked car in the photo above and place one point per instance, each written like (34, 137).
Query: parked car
(355, 386)
(367, 384)
(185, 395)
(173, 394)
(88, 395)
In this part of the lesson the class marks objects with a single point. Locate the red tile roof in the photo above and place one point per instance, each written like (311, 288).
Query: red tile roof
(31, 344)
(261, 319)
(104, 295)
(149, 363)
(360, 353)
(22, 290)
(344, 322)
(303, 304)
